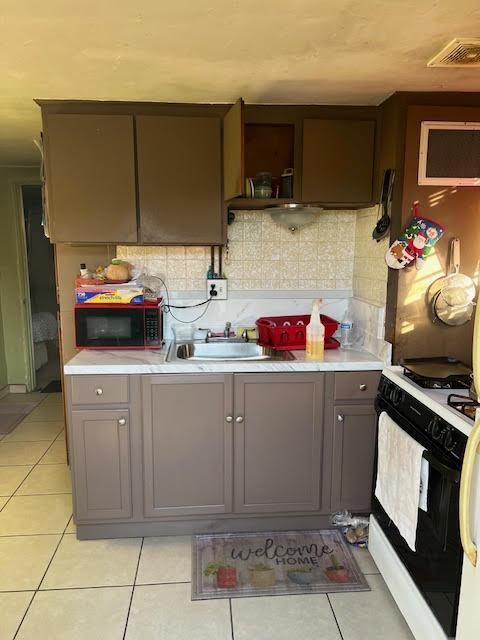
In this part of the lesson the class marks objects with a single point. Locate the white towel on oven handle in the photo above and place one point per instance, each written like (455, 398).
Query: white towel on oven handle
(424, 475)
(398, 476)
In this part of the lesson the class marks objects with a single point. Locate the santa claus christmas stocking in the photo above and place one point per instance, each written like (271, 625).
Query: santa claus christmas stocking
(415, 243)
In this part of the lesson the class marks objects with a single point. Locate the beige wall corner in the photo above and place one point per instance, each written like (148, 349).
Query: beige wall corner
(370, 270)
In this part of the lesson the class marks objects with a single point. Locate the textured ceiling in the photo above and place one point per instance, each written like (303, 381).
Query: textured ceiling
(290, 51)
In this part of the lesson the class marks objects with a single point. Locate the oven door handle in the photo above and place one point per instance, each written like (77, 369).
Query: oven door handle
(453, 474)
(469, 459)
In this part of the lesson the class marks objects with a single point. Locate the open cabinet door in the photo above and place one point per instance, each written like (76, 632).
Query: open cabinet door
(233, 151)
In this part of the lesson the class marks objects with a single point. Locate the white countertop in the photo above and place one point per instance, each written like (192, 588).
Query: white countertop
(434, 399)
(132, 361)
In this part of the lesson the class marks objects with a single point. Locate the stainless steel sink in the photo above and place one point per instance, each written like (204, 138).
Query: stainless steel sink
(224, 351)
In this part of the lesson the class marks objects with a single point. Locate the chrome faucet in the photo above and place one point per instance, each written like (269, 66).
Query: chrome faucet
(227, 335)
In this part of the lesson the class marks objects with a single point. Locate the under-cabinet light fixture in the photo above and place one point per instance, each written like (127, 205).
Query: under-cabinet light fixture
(293, 215)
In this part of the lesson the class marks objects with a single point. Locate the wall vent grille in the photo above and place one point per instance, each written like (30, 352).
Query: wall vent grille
(460, 52)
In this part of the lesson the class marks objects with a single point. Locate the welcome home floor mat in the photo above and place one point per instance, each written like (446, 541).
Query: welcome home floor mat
(239, 565)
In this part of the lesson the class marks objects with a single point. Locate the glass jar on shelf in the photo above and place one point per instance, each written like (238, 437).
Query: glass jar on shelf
(263, 185)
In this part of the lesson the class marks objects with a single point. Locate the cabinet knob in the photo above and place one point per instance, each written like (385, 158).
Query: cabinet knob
(239, 419)
(99, 391)
(122, 422)
(229, 419)
(363, 387)
(340, 417)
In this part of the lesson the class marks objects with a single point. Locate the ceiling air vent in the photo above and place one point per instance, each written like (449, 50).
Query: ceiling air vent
(460, 52)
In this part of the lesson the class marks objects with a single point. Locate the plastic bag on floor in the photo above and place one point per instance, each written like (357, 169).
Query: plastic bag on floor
(355, 528)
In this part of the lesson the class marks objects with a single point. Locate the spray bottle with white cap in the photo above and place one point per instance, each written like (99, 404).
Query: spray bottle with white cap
(315, 334)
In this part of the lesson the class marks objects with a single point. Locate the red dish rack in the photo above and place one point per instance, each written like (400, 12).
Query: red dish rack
(289, 333)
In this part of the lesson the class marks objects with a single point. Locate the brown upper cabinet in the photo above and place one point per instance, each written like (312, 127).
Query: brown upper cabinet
(253, 147)
(90, 173)
(152, 174)
(333, 163)
(338, 161)
(179, 179)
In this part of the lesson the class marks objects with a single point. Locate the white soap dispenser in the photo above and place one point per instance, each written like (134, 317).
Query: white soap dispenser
(315, 334)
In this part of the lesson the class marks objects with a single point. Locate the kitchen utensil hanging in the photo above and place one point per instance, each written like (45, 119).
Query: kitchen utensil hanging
(453, 295)
(385, 206)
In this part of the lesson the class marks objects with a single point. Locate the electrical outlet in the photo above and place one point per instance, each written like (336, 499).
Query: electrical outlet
(217, 288)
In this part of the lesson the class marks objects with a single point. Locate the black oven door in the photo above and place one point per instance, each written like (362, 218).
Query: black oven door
(103, 328)
(436, 565)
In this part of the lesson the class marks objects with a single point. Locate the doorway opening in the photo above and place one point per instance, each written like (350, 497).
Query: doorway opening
(42, 293)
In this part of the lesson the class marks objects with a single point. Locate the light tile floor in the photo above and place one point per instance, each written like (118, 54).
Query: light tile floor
(55, 587)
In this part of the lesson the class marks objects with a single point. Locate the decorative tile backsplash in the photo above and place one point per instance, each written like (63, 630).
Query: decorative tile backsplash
(334, 253)
(262, 255)
(370, 271)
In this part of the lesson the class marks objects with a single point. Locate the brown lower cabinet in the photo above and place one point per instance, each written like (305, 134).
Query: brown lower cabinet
(278, 442)
(239, 446)
(101, 441)
(354, 435)
(187, 444)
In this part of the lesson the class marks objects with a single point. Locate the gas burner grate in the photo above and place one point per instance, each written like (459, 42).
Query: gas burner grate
(465, 406)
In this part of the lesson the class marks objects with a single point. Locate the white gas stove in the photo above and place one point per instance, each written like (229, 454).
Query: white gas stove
(434, 399)
(426, 582)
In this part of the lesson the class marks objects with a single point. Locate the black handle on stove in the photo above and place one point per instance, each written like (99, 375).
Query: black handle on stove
(453, 474)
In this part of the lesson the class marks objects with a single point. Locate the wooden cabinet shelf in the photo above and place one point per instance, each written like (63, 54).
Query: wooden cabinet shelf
(257, 203)
(264, 203)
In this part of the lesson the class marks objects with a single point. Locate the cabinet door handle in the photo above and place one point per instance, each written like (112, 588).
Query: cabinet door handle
(229, 419)
(340, 417)
(239, 419)
(363, 387)
(122, 422)
(99, 391)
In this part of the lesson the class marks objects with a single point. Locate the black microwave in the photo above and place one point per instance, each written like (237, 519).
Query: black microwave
(119, 326)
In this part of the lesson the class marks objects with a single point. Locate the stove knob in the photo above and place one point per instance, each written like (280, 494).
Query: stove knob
(437, 430)
(449, 441)
(396, 396)
(430, 425)
(387, 390)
